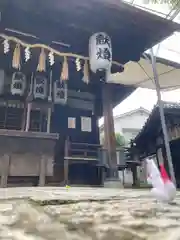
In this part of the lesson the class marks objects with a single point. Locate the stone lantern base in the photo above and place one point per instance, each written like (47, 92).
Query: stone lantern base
(113, 183)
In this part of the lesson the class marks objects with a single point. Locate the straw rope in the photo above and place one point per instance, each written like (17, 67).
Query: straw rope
(38, 45)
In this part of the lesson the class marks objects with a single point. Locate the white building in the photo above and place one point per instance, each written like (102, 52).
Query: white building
(129, 124)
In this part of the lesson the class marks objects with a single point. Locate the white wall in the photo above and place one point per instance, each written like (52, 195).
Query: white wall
(130, 124)
(133, 121)
(129, 134)
(127, 178)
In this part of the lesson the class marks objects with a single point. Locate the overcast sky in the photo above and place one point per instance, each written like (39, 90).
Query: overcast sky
(168, 49)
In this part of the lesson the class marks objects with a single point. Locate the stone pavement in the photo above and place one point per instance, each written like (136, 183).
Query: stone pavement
(86, 213)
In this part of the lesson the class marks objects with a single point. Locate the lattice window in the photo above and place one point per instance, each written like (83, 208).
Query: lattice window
(38, 121)
(11, 118)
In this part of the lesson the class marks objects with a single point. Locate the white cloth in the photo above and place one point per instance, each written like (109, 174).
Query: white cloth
(162, 191)
(154, 174)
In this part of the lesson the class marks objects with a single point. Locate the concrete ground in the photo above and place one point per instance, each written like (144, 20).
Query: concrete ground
(86, 213)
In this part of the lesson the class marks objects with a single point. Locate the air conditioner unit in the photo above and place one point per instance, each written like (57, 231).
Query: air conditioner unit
(40, 87)
(60, 92)
(18, 84)
(2, 81)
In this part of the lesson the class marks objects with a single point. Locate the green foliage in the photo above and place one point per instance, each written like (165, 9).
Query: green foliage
(171, 3)
(120, 140)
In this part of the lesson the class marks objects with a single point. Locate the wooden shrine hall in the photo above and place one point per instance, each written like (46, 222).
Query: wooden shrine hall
(50, 99)
(150, 142)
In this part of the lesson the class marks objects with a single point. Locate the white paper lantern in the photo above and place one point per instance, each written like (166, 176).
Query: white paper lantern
(40, 87)
(100, 52)
(60, 92)
(18, 84)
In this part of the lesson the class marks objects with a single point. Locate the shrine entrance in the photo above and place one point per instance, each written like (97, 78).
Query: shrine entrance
(56, 61)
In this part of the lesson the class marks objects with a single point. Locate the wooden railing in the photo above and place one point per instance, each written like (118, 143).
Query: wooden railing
(81, 151)
(76, 152)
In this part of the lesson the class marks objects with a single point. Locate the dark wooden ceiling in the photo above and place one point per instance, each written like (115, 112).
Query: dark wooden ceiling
(74, 21)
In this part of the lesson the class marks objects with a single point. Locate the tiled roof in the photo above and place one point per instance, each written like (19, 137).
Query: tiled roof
(155, 112)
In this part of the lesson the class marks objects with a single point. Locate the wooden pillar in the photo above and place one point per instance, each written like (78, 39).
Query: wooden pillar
(5, 170)
(28, 117)
(103, 175)
(66, 162)
(144, 173)
(42, 171)
(134, 175)
(134, 170)
(23, 119)
(49, 120)
(160, 156)
(123, 177)
(109, 134)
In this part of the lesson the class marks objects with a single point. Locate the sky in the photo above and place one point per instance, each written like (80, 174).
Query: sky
(145, 98)
(167, 49)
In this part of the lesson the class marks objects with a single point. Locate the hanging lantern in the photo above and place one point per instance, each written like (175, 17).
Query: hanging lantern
(18, 84)
(6, 46)
(100, 52)
(40, 87)
(60, 92)
(27, 54)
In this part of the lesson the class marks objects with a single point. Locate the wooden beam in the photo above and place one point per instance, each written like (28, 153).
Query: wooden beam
(23, 125)
(80, 158)
(66, 162)
(49, 120)
(160, 158)
(28, 117)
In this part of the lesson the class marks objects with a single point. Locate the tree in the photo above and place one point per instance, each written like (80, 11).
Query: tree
(172, 3)
(120, 140)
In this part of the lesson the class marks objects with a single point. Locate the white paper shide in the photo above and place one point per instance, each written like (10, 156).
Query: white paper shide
(100, 52)
(86, 124)
(71, 122)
